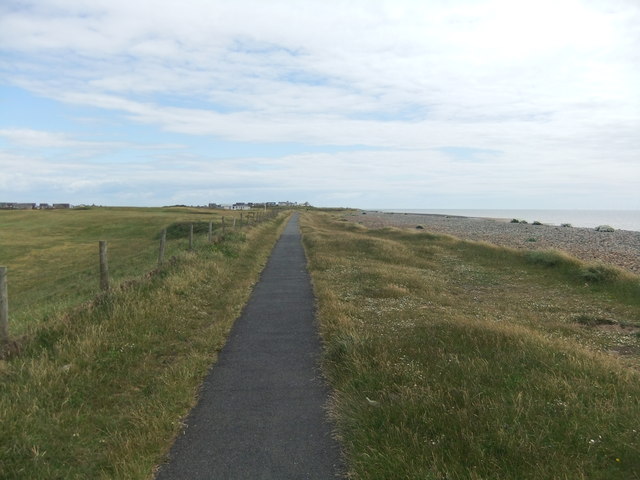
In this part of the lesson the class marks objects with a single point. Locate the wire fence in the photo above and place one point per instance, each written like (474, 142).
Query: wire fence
(185, 231)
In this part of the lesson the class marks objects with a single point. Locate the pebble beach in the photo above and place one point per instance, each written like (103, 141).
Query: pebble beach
(620, 247)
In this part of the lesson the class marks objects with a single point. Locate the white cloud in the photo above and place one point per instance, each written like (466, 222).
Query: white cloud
(551, 85)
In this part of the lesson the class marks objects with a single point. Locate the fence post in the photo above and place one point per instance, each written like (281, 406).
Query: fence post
(191, 237)
(104, 266)
(163, 243)
(234, 223)
(4, 307)
(210, 231)
(240, 219)
(223, 228)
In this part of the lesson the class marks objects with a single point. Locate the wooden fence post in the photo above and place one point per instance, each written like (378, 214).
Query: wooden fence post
(104, 266)
(4, 307)
(240, 219)
(191, 237)
(223, 227)
(163, 243)
(210, 231)
(234, 223)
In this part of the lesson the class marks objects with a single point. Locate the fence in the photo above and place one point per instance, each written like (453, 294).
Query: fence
(251, 218)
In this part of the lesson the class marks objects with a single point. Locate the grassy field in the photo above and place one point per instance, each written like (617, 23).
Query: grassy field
(460, 360)
(52, 255)
(99, 390)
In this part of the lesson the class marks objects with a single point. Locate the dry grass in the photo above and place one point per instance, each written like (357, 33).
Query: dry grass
(100, 391)
(458, 360)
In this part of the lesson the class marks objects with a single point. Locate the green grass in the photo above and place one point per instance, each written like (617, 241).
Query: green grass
(100, 390)
(52, 256)
(461, 360)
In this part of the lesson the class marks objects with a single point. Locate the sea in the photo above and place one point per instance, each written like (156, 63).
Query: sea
(618, 219)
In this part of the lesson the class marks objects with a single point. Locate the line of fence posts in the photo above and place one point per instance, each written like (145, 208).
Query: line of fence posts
(104, 269)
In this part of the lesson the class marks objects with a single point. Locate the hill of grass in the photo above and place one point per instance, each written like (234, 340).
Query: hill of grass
(460, 360)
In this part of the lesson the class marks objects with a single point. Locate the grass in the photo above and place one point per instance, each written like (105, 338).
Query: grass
(461, 360)
(52, 255)
(99, 390)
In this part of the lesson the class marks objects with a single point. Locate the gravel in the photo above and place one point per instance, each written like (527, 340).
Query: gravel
(620, 248)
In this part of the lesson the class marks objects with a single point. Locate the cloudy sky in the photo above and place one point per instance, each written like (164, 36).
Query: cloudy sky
(363, 103)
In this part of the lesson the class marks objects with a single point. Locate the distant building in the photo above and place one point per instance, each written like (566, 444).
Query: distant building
(61, 205)
(25, 206)
(240, 206)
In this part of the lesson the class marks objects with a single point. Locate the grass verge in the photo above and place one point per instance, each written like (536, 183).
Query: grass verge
(461, 360)
(52, 255)
(100, 391)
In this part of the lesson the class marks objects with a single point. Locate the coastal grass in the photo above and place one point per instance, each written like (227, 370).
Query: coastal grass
(451, 359)
(99, 390)
(52, 255)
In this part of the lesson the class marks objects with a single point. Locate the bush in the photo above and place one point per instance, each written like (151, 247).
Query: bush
(598, 273)
(546, 258)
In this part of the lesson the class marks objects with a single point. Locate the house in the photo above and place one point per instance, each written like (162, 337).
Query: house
(24, 206)
(240, 206)
(61, 205)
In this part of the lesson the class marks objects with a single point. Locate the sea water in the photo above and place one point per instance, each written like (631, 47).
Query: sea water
(618, 219)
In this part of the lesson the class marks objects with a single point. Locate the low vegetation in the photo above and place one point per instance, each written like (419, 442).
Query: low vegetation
(52, 255)
(103, 379)
(452, 359)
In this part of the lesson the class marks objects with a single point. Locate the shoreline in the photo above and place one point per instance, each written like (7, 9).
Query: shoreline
(620, 248)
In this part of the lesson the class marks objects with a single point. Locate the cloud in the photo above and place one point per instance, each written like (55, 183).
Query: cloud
(550, 86)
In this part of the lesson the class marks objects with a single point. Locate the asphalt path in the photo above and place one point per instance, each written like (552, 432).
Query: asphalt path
(261, 412)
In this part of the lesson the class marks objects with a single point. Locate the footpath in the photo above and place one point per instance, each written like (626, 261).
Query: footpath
(261, 412)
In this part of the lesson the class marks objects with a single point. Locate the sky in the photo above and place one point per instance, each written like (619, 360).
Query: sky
(360, 103)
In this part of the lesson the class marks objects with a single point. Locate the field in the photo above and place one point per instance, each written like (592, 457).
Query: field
(52, 255)
(453, 359)
(102, 380)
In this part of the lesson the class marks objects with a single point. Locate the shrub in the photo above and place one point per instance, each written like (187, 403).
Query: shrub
(598, 273)
(605, 228)
(537, 223)
(547, 258)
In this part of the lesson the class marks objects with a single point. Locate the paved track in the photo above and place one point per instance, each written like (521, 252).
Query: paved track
(261, 410)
